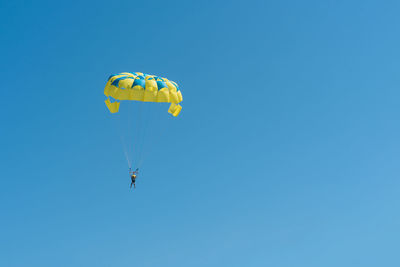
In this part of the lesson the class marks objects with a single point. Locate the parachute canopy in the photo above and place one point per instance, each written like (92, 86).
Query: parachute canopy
(142, 87)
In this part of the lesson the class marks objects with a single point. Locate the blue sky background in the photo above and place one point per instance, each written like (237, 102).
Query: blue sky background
(286, 152)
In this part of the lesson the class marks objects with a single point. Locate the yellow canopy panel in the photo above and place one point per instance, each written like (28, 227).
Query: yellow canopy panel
(142, 87)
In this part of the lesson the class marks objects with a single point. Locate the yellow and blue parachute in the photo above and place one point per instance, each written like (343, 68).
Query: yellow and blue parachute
(142, 87)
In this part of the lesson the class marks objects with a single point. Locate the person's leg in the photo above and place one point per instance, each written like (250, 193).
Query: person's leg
(131, 184)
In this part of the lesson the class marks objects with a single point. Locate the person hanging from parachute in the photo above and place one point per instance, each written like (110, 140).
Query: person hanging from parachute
(138, 86)
(133, 175)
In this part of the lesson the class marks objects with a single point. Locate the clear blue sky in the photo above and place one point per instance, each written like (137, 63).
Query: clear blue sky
(286, 152)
